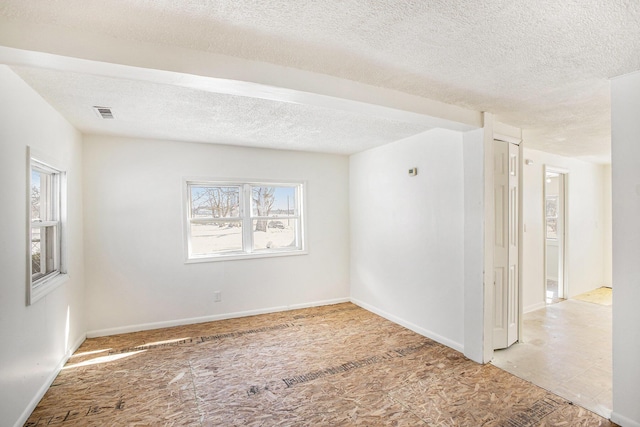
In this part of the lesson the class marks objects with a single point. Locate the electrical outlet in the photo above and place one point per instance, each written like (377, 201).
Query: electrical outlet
(217, 296)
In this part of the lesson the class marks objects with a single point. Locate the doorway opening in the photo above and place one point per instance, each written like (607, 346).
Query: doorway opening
(565, 344)
(555, 192)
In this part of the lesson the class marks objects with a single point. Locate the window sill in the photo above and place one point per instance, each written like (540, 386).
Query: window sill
(235, 257)
(45, 287)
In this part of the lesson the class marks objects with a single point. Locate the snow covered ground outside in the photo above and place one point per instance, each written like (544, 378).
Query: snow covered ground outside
(211, 238)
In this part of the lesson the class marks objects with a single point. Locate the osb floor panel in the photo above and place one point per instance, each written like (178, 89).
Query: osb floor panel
(336, 365)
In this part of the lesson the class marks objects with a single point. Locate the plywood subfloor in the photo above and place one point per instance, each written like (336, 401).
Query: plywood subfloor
(602, 296)
(327, 366)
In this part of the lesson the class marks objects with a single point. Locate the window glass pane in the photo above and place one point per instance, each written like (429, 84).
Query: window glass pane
(273, 201)
(215, 202)
(44, 196)
(216, 237)
(51, 263)
(37, 269)
(35, 195)
(44, 252)
(275, 233)
(552, 228)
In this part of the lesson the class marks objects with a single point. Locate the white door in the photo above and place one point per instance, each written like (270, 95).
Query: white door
(506, 175)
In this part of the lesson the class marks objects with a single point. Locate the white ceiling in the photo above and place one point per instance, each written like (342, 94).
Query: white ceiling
(540, 65)
(151, 110)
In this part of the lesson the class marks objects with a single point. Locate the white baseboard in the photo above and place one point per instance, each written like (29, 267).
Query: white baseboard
(203, 319)
(415, 328)
(624, 421)
(45, 386)
(533, 307)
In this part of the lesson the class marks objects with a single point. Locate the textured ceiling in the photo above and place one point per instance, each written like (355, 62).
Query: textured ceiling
(540, 65)
(150, 110)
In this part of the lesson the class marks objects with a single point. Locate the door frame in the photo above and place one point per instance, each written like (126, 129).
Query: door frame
(564, 189)
(520, 244)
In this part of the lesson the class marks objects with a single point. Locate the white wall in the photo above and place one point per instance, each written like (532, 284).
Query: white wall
(134, 235)
(586, 251)
(34, 340)
(477, 154)
(407, 234)
(625, 168)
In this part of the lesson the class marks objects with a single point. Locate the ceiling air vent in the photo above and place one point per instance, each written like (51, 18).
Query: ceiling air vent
(103, 112)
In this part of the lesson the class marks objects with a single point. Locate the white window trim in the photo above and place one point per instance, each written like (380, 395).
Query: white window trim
(38, 289)
(245, 218)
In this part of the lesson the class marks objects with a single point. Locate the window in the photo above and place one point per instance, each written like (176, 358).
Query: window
(46, 209)
(238, 220)
(551, 210)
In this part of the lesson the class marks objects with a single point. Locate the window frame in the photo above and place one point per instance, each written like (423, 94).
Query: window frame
(40, 284)
(246, 218)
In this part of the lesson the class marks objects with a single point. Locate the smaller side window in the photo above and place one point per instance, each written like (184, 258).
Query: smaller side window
(45, 228)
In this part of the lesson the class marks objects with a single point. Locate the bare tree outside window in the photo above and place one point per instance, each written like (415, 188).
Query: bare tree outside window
(35, 200)
(215, 202)
(35, 216)
(263, 198)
